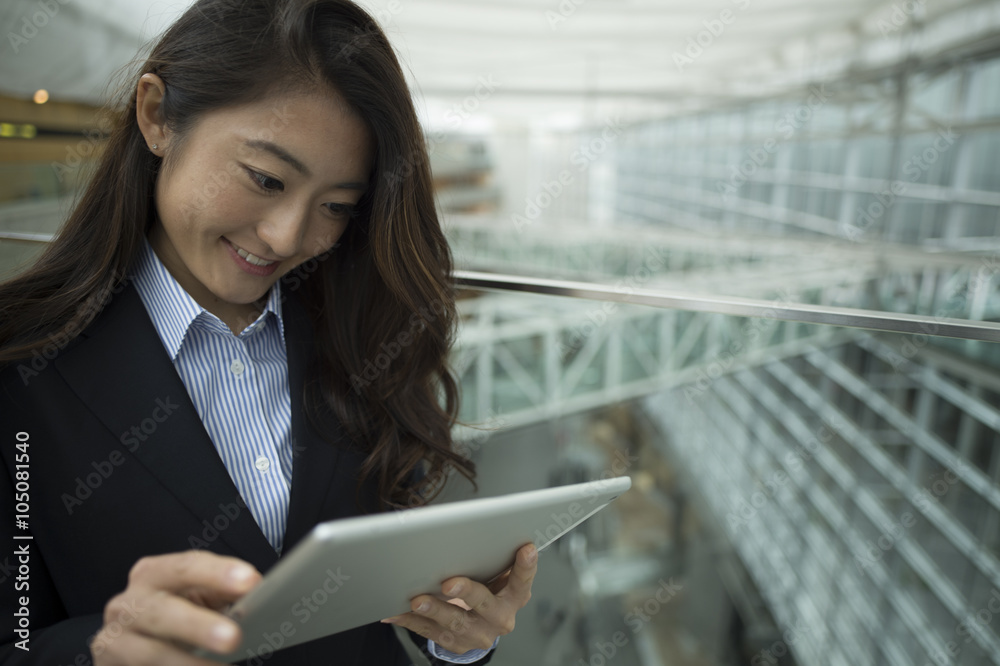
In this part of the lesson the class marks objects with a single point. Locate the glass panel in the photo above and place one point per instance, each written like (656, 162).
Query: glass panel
(875, 157)
(927, 158)
(844, 481)
(15, 255)
(984, 171)
(984, 90)
(934, 97)
(827, 157)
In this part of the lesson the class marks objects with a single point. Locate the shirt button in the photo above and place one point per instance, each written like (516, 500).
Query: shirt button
(237, 367)
(262, 463)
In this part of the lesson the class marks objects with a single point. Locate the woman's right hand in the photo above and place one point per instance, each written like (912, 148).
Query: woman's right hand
(171, 605)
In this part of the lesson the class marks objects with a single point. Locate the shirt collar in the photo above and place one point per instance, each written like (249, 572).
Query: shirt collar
(173, 311)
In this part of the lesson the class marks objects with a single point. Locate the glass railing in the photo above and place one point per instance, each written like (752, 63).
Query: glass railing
(18, 250)
(833, 490)
(796, 273)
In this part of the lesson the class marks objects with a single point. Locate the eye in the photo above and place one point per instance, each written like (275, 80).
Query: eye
(265, 183)
(340, 210)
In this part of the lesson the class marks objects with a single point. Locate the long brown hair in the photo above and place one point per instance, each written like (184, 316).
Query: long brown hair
(382, 302)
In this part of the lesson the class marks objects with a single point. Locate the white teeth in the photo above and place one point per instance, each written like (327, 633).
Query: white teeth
(252, 258)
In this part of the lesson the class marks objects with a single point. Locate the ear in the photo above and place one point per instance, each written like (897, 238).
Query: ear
(148, 97)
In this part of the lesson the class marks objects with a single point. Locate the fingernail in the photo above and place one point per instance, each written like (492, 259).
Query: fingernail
(423, 607)
(240, 574)
(223, 635)
(455, 589)
(389, 620)
(532, 556)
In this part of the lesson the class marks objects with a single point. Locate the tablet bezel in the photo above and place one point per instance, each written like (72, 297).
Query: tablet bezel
(438, 542)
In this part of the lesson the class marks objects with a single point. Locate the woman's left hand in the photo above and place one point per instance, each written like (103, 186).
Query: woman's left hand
(475, 615)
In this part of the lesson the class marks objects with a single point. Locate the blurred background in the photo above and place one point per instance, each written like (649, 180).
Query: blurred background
(794, 209)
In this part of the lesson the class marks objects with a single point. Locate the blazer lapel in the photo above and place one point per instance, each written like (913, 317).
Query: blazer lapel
(124, 375)
(318, 477)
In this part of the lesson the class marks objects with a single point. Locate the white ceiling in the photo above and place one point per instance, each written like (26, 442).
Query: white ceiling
(553, 63)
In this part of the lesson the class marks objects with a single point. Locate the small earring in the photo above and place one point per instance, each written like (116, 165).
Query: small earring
(155, 146)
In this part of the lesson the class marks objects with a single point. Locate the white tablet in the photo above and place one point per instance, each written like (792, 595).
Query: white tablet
(354, 571)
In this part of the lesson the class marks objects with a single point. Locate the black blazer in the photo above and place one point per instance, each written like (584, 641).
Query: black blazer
(122, 467)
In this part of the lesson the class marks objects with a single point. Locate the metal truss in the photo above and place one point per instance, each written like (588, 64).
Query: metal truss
(531, 359)
(885, 560)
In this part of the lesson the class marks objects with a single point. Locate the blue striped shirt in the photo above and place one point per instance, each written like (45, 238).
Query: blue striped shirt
(239, 385)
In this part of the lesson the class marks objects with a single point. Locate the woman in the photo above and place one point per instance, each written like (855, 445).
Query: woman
(188, 382)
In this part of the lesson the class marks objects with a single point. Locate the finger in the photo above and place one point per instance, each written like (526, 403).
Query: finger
(522, 575)
(480, 600)
(172, 618)
(499, 582)
(448, 614)
(473, 636)
(204, 577)
(131, 648)
(495, 607)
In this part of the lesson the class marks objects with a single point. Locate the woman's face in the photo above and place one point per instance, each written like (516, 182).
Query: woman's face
(252, 192)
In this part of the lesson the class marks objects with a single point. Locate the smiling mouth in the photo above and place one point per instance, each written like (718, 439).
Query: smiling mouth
(252, 258)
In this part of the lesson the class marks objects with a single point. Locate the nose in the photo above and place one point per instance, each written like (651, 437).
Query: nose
(283, 229)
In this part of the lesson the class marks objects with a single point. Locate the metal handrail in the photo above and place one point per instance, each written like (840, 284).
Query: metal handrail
(947, 327)
(741, 307)
(26, 236)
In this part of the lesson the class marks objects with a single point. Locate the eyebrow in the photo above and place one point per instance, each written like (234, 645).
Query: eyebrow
(287, 157)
